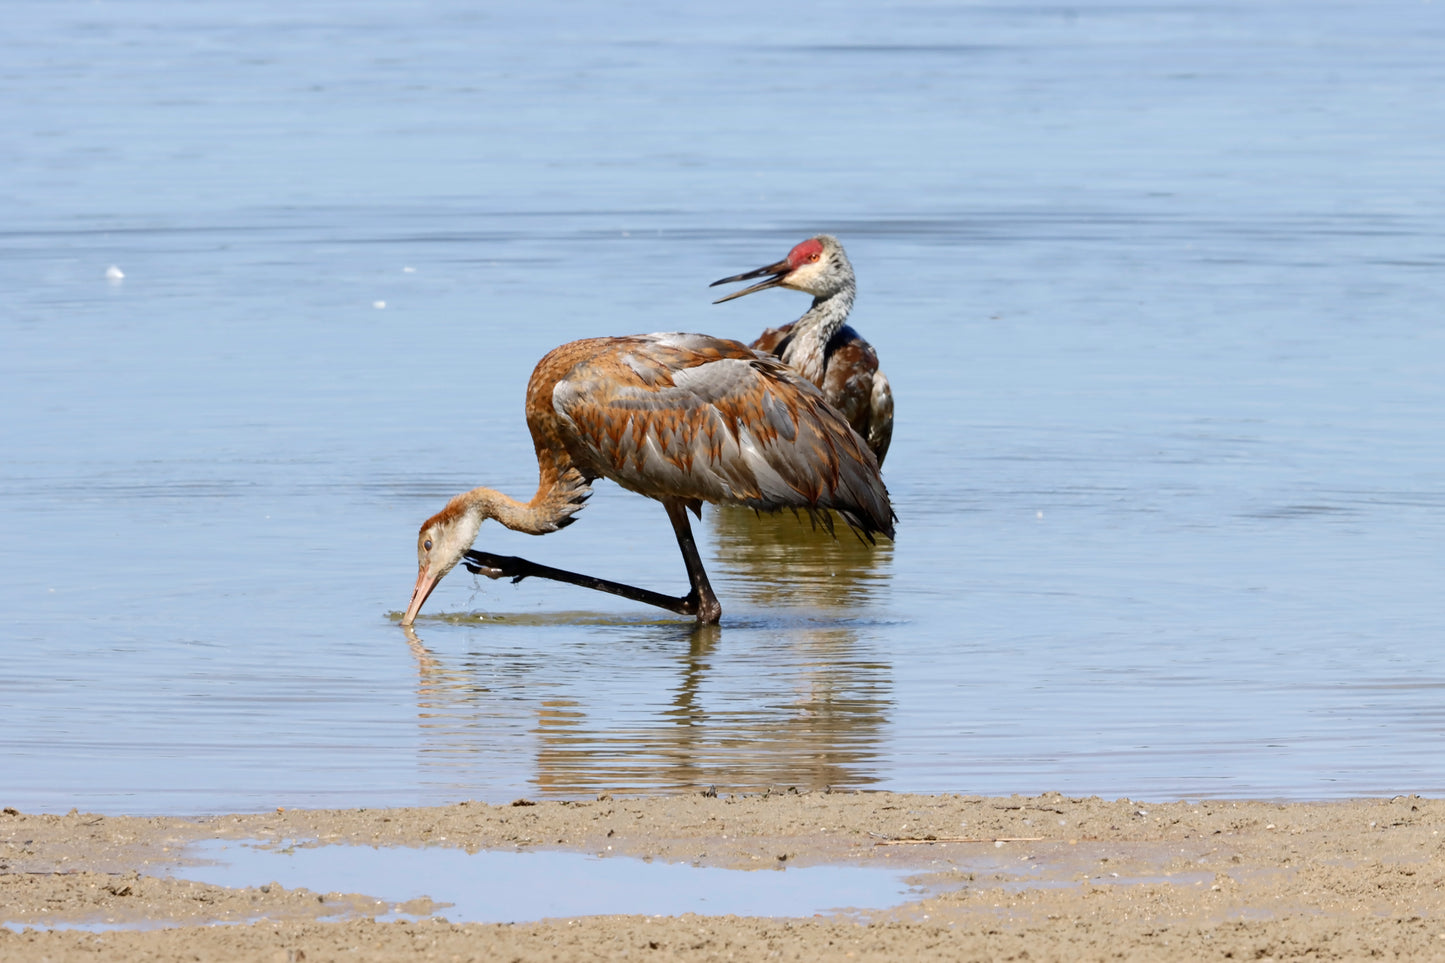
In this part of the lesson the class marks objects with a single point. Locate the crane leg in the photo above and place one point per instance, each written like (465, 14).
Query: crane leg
(699, 602)
(705, 604)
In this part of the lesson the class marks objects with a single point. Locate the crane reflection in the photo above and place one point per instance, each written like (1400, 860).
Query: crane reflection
(796, 691)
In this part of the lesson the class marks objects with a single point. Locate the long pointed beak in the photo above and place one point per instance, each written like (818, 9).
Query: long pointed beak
(779, 271)
(425, 582)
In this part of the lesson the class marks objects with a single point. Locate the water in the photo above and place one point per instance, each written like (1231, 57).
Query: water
(513, 887)
(1157, 286)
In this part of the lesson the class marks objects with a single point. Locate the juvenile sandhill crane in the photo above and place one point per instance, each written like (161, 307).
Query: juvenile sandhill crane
(682, 418)
(820, 344)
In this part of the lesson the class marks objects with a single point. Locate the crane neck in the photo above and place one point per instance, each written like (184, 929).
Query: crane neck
(807, 348)
(560, 495)
(828, 314)
(480, 504)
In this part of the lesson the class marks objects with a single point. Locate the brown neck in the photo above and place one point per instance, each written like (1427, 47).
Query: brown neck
(561, 490)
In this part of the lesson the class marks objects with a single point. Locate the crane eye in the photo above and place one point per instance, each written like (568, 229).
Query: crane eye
(426, 545)
(814, 256)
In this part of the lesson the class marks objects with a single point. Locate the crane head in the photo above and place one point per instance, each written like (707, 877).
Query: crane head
(440, 544)
(817, 266)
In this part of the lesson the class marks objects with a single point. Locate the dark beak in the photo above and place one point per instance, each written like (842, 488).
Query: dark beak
(778, 272)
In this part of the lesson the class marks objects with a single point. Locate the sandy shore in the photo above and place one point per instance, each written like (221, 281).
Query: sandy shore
(1038, 878)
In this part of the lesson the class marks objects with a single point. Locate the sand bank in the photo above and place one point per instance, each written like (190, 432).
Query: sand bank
(1040, 878)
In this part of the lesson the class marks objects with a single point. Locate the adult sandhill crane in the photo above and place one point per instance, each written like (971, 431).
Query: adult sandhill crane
(682, 418)
(820, 344)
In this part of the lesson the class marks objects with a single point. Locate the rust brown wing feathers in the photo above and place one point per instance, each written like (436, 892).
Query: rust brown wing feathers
(853, 384)
(707, 419)
(772, 340)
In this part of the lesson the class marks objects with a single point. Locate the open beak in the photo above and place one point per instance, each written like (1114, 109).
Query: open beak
(425, 582)
(778, 271)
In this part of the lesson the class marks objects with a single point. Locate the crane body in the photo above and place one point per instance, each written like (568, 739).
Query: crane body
(680, 418)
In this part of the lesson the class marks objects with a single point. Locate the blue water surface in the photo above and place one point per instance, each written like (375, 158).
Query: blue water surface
(1158, 287)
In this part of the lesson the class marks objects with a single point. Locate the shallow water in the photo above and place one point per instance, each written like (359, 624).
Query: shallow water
(513, 887)
(1157, 286)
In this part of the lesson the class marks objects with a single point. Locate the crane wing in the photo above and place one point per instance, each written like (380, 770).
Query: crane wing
(773, 340)
(853, 384)
(706, 419)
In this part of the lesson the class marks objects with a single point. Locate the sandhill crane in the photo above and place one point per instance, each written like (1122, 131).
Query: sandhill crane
(820, 344)
(682, 418)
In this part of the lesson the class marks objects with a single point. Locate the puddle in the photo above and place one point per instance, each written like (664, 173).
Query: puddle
(489, 886)
(500, 887)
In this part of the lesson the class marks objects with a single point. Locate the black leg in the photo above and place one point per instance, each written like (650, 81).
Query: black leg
(516, 569)
(706, 605)
(699, 602)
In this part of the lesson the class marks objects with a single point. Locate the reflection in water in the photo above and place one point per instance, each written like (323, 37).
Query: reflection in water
(777, 560)
(813, 721)
(807, 713)
(597, 704)
(449, 702)
(681, 707)
(473, 719)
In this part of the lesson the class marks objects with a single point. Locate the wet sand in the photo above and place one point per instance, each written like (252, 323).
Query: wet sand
(1039, 878)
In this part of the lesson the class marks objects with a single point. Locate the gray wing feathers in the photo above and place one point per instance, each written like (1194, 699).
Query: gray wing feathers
(733, 429)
